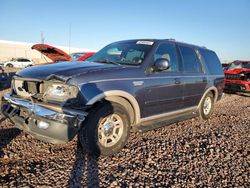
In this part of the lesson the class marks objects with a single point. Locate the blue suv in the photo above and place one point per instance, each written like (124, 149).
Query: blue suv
(129, 85)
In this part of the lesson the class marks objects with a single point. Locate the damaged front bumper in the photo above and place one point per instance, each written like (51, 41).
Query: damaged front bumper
(237, 86)
(53, 124)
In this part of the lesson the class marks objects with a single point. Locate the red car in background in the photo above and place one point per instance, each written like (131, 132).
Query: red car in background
(56, 55)
(81, 56)
(237, 77)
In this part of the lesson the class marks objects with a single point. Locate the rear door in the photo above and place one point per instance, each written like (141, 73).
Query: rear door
(164, 88)
(194, 76)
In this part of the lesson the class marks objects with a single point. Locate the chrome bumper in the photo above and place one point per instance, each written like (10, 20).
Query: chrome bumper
(26, 115)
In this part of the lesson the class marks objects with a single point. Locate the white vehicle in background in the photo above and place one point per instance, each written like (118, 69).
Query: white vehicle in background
(18, 63)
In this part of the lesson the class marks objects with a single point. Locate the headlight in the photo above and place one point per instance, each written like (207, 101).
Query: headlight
(60, 92)
(57, 90)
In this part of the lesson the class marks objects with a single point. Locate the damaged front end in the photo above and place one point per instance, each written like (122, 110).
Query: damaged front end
(49, 109)
(238, 82)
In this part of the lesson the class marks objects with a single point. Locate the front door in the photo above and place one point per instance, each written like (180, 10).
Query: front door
(164, 89)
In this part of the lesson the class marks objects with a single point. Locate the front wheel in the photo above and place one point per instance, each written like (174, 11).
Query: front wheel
(207, 106)
(107, 129)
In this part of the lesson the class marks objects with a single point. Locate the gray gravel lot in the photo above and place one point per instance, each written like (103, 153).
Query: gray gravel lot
(193, 153)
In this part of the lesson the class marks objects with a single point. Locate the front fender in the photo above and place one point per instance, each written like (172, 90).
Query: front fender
(94, 93)
(122, 94)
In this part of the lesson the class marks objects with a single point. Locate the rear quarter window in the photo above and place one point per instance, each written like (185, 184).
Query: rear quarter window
(212, 61)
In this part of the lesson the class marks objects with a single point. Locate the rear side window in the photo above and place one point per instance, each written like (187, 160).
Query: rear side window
(212, 61)
(23, 60)
(190, 60)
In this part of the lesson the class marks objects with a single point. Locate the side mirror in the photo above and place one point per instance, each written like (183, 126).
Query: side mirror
(161, 64)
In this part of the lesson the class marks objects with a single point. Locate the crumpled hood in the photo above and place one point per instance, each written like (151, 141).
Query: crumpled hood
(63, 71)
(236, 71)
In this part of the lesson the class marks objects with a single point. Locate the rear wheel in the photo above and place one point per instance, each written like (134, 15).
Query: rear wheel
(9, 65)
(207, 106)
(106, 129)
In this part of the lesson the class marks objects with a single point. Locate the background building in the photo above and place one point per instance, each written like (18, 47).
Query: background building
(11, 49)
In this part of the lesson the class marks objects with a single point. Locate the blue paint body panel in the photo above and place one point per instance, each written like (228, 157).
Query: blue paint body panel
(155, 92)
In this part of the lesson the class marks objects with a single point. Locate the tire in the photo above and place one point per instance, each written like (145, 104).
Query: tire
(207, 106)
(9, 66)
(106, 129)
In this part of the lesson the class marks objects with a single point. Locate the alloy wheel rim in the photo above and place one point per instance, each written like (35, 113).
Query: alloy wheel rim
(207, 105)
(110, 130)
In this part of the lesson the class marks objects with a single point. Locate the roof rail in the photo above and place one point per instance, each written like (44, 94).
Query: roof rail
(171, 39)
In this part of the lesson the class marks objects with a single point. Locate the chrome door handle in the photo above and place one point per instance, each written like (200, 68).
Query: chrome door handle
(177, 80)
(204, 79)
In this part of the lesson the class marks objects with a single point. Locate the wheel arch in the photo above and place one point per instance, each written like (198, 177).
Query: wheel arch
(9, 65)
(123, 98)
(213, 90)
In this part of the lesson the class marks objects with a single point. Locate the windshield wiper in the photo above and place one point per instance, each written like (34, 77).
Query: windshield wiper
(106, 61)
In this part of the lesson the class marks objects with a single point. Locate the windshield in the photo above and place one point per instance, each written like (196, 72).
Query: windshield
(239, 64)
(129, 53)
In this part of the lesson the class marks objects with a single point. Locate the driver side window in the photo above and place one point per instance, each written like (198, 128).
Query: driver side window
(167, 51)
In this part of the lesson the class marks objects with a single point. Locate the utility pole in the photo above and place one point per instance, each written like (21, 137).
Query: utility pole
(42, 42)
(42, 38)
(69, 36)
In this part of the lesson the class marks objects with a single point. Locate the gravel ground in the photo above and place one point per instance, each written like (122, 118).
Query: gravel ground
(193, 153)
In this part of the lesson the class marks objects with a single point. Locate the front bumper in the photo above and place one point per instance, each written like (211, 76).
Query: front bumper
(63, 124)
(236, 86)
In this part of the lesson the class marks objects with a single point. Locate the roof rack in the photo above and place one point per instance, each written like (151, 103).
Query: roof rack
(171, 39)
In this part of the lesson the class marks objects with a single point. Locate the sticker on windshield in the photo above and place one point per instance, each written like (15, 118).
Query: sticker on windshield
(145, 42)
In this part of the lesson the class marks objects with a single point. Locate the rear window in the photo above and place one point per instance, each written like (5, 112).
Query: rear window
(212, 61)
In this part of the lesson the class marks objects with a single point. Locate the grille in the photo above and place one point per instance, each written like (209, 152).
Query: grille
(233, 87)
(233, 76)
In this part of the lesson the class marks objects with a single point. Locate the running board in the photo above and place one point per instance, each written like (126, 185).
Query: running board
(158, 123)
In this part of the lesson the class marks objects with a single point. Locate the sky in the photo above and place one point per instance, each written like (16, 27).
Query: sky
(220, 25)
